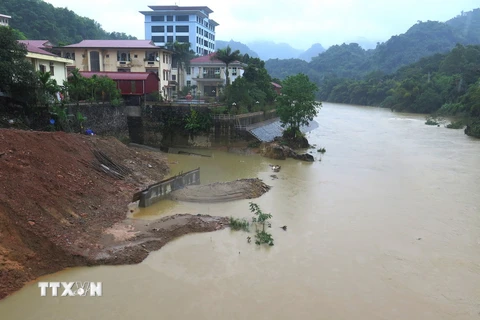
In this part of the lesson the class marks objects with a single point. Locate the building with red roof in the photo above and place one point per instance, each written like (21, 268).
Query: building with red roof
(46, 61)
(124, 56)
(276, 87)
(208, 74)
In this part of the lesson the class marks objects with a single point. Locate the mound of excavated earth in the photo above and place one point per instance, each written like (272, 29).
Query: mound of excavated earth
(63, 203)
(221, 191)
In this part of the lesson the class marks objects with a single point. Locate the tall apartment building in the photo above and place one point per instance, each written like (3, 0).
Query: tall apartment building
(166, 24)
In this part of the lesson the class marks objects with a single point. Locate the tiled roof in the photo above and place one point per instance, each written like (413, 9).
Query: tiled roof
(209, 59)
(132, 76)
(276, 85)
(37, 43)
(35, 49)
(147, 44)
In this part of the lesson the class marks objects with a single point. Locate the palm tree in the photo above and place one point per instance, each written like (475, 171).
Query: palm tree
(181, 56)
(227, 56)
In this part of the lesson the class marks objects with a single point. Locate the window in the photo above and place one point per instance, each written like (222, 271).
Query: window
(169, 28)
(158, 39)
(158, 18)
(205, 43)
(123, 70)
(174, 77)
(170, 39)
(135, 56)
(182, 18)
(234, 71)
(42, 68)
(52, 69)
(158, 28)
(189, 70)
(189, 83)
(181, 28)
(182, 38)
(107, 56)
(169, 18)
(123, 56)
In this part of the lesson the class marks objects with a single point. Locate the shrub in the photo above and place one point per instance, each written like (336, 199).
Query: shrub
(239, 224)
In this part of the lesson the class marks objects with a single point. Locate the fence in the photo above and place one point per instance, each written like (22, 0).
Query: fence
(156, 192)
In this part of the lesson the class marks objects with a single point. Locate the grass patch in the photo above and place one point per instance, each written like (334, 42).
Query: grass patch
(239, 224)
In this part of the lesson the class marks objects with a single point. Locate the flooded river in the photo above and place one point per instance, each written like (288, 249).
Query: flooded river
(385, 226)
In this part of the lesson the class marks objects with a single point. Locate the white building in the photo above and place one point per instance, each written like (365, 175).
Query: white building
(46, 61)
(4, 20)
(167, 24)
(209, 76)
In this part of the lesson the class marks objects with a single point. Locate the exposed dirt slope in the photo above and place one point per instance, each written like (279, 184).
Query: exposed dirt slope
(54, 204)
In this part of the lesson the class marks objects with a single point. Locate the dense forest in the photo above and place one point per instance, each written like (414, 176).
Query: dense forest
(447, 84)
(39, 20)
(352, 61)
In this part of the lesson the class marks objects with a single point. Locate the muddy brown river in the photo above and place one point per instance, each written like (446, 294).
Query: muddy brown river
(385, 226)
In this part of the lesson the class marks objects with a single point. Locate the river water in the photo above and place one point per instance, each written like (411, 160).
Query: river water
(385, 226)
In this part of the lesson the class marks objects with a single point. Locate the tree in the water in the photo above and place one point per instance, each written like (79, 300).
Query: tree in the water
(297, 105)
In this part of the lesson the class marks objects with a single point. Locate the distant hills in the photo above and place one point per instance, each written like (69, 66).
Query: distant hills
(39, 20)
(352, 61)
(243, 48)
(270, 50)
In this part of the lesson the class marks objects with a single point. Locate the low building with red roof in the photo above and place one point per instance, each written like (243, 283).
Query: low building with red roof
(130, 83)
(208, 74)
(46, 61)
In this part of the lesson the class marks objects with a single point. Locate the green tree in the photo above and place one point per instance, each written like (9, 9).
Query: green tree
(17, 76)
(227, 56)
(182, 54)
(297, 105)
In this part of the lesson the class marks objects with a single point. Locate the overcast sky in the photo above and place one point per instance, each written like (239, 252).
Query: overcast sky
(299, 23)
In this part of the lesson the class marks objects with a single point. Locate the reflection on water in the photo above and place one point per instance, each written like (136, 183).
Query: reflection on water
(386, 226)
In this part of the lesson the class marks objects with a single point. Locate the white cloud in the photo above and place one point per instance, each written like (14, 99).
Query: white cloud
(299, 23)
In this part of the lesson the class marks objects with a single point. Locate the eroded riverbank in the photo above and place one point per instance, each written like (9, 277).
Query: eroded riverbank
(386, 226)
(60, 207)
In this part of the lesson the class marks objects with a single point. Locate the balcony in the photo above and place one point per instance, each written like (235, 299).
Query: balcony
(124, 64)
(152, 64)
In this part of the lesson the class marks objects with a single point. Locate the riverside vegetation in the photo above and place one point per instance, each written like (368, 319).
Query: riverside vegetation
(260, 220)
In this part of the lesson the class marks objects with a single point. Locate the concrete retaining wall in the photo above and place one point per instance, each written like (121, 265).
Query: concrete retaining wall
(156, 192)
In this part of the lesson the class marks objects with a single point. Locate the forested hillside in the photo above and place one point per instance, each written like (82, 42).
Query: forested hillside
(444, 83)
(39, 20)
(352, 61)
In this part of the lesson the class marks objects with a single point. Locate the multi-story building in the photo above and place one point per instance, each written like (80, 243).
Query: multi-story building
(46, 61)
(4, 20)
(122, 56)
(209, 76)
(167, 24)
